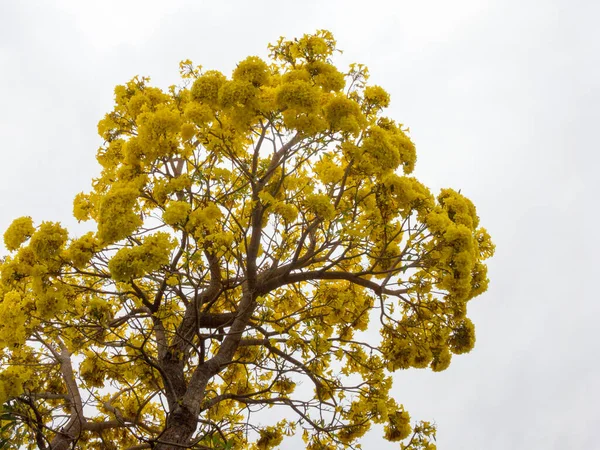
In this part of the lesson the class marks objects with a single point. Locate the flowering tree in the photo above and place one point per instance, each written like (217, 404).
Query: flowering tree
(259, 244)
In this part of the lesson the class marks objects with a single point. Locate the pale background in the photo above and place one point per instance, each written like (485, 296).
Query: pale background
(502, 99)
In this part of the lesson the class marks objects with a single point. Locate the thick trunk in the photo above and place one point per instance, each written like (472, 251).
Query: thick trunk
(62, 442)
(67, 436)
(181, 426)
(184, 398)
(71, 431)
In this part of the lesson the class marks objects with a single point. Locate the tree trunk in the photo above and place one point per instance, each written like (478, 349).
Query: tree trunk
(181, 426)
(67, 436)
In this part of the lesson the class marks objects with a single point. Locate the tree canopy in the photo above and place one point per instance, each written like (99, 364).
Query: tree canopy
(259, 245)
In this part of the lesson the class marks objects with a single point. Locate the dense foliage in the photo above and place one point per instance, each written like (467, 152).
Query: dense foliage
(260, 243)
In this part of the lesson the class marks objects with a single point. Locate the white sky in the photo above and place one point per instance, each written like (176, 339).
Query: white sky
(502, 99)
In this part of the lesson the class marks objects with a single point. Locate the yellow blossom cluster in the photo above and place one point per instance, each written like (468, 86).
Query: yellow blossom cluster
(134, 262)
(19, 231)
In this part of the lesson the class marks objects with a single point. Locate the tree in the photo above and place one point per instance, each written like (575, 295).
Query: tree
(253, 234)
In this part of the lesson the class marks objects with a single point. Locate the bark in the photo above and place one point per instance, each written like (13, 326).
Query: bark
(65, 439)
(185, 399)
(183, 418)
(69, 434)
(181, 426)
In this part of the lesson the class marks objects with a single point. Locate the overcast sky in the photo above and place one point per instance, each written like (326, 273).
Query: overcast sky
(503, 101)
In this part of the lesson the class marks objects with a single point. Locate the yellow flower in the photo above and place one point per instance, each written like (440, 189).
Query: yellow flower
(176, 213)
(18, 232)
(81, 250)
(48, 240)
(206, 88)
(117, 218)
(252, 70)
(134, 262)
(321, 205)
